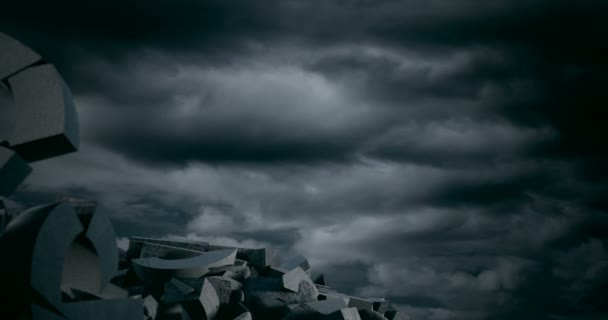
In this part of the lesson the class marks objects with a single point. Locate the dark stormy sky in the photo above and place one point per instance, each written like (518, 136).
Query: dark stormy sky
(447, 154)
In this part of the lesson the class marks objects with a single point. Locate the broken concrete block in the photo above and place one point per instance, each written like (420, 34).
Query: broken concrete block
(154, 272)
(380, 305)
(360, 304)
(177, 291)
(46, 123)
(314, 309)
(209, 300)
(150, 308)
(92, 260)
(166, 252)
(238, 273)
(267, 296)
(44, 234)
(14, 56)
(261, 257)
(223, 288)
(293, 278)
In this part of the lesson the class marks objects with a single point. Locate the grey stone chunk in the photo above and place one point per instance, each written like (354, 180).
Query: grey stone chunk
(92, 260)
(396, 315)
(150, 308)
(222, 287)
(166, 252)
(154, 272)
(182, 287)
(267, 295)
(380, 305)
(292, 279)
(257, 257)
(177, 291)
(360, 304)
(370, 315)
(43, 233)
(209, 300)
(239, 273)
(46, 123)
(344, 314)
(237, 296)
(13, 170)
(14, 56)
(136, 244)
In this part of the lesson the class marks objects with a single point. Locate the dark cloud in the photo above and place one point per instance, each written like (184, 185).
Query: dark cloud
(449, 155)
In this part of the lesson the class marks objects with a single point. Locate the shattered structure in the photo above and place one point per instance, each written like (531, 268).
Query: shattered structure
(61, 260)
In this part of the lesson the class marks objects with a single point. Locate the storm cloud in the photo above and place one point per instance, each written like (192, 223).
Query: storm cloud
(449, 155)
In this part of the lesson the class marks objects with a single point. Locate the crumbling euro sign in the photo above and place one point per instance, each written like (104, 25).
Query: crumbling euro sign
(43, 122)
(50, 251)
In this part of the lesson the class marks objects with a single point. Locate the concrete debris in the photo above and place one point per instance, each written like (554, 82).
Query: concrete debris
(61, 260)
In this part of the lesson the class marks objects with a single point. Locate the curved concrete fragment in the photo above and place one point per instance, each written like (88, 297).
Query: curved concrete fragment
(260, 258)
(149, 249)
(154, 272)
(36, 242)
(52, 252)
(46, 123)
(42, 121)
(15, 56)
(207, 305)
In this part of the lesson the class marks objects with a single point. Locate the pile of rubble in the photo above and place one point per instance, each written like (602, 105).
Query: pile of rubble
(196, 280)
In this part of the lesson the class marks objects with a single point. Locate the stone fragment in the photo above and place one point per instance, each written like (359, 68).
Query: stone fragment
(14, 56)
(261, 257)
(266, 296)
(150, 308)
(292, 279)
(154, 272)
(238, 273)
(46, 123)
(380, 305)
(223, 288)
